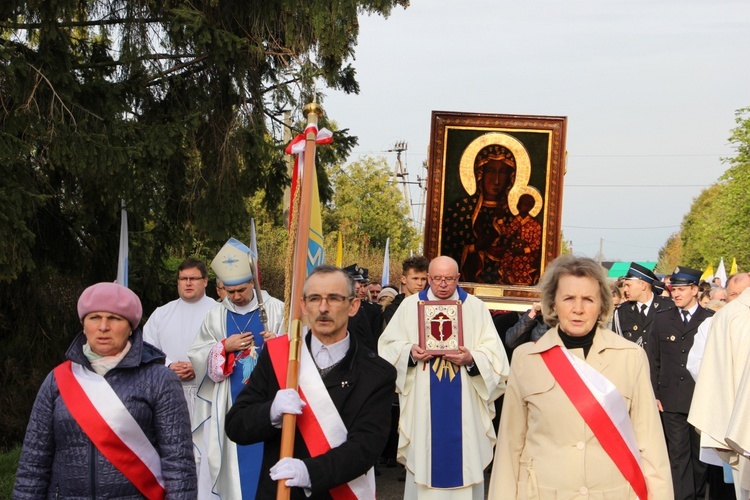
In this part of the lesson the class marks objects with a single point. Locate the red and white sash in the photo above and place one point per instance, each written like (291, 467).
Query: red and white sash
(603, 409)
(320, 424)
(109, 425)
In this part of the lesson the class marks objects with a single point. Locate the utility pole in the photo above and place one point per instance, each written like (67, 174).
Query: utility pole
(401, 175)
(601, 250)
(422, 183)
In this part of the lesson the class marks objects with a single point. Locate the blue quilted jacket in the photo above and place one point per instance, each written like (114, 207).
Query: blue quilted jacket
(59, 461)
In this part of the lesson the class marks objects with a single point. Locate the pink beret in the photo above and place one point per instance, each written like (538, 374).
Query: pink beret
(112, 298)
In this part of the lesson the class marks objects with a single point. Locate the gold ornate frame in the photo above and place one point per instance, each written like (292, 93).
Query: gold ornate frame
(538, 146)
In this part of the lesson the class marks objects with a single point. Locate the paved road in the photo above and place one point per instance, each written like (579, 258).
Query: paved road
(390, 488)
(387, 483)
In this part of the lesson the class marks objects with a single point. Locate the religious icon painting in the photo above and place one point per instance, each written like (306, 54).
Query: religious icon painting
(494, 201)
(440, 330)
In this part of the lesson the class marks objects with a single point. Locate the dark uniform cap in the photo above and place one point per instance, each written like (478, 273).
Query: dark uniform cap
(639, 272)
(658, 287)
(365, 274)
(684, 276)
(355, 272)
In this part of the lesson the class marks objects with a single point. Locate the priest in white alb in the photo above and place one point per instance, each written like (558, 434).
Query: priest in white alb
(446, 436)
(719, 384)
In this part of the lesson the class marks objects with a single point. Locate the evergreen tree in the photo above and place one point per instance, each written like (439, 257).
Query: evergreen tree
(174, 107)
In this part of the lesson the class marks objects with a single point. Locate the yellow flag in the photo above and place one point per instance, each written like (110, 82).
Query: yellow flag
(734, 267)
(708, 274)
(340, 252)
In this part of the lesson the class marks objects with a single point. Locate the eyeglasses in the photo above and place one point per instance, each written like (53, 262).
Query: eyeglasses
(333, 299)
(447, 279)
(189, 279)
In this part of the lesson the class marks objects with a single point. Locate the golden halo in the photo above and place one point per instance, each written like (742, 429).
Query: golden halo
(523, 162)
(515, 195)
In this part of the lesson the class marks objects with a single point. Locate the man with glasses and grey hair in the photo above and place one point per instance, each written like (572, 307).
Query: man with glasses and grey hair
(343, 422)
(447, 401)
(173, 326)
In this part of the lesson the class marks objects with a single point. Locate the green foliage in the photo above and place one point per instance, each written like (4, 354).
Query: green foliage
(368, 208)
(8, 466)
(702, 231)
(174, 107)
(565, 245)
(670, 255)
(716, 226)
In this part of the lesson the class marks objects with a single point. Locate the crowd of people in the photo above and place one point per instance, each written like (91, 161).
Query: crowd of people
(631, 389)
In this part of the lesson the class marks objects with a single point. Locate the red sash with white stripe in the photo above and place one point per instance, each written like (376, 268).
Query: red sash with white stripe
(614, 438)
(319, 424)
(99, 412)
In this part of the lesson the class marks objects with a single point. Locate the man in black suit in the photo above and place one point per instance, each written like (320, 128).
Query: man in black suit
(672, 337)
(344, 423)
(633, 319)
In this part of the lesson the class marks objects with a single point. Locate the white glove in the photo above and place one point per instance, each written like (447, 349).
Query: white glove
(286, 401)
(293, 470)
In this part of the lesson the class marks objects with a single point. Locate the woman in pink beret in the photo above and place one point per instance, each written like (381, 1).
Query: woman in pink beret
(111, 421)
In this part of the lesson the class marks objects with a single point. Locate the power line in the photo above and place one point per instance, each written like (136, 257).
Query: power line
(639, 186)
(649, 156)
(698, 155)
(619, 228)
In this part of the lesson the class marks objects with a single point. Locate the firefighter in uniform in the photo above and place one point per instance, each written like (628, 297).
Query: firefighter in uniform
(633, 319)
(672, 336)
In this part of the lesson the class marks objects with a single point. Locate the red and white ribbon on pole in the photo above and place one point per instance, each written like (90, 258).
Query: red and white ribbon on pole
(297, 147)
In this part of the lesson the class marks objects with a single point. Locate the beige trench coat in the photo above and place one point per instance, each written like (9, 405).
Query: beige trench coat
(546, 451)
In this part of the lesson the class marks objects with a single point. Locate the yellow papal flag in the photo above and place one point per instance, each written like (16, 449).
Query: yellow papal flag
(340, 252)
(734, 267)
(708, 274)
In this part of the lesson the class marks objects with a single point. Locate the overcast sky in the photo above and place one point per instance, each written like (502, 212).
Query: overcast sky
(650, 89)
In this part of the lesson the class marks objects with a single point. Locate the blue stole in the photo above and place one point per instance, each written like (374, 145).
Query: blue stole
(249, 457)
(446, 418)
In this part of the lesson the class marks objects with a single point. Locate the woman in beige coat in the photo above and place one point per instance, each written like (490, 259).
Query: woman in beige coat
(545, 448)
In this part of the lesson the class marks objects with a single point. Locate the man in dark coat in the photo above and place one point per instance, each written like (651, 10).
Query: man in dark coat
(368, 312)
(672, 337)
(345, 376)
(633, 320)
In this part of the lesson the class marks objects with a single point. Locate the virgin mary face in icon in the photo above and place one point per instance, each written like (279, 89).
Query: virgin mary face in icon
(497, 177)
(494, 168)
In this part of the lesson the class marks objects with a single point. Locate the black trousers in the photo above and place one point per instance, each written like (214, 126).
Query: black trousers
(689, 474)
(717, 488)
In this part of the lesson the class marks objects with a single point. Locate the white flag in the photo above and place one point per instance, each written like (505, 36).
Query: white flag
(122, 260)
(253, 240)
(721, 273)
(385, 280)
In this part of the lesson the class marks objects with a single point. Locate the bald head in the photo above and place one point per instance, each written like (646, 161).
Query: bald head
(443, 276)
(444, 264)
(736, 284)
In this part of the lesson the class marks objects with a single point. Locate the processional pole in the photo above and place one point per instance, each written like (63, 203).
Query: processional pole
(299, 272)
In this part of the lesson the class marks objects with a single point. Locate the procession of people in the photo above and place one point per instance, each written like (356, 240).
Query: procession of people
(654, 409)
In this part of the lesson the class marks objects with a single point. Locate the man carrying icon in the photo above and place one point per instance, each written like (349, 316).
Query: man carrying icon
(447, 401)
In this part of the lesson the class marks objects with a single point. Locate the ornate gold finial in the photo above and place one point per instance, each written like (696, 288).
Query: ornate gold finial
(313, 107)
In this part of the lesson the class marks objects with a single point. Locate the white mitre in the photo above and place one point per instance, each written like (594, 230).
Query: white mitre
(231, 264)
